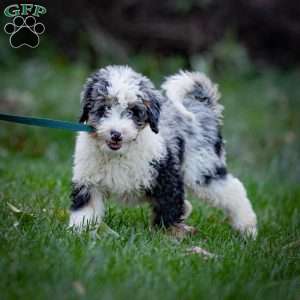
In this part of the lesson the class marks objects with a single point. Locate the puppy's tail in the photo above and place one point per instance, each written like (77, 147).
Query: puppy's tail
(184, 87)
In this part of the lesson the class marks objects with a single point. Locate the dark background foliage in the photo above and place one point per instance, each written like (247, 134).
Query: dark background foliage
(269, 29)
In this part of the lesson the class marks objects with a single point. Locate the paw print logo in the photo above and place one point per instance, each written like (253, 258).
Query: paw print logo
(24, 32)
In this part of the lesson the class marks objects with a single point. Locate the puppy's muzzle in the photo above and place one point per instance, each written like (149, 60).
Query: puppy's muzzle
(115, 142)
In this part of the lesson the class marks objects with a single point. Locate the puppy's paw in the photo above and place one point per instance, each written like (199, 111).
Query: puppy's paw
(181, 230)
(83, 219)
(247, 226)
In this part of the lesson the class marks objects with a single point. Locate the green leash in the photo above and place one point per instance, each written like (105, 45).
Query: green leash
(42, 122)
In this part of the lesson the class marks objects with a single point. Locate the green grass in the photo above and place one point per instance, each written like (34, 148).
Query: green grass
(40, 259)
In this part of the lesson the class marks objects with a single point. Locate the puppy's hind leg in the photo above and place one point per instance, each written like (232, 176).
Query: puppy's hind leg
(229, 194)
(87, 207)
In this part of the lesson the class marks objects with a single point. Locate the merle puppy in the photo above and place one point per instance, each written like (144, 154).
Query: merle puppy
(153, 147)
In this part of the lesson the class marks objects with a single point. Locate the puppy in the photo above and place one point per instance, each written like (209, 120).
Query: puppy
(152, 147)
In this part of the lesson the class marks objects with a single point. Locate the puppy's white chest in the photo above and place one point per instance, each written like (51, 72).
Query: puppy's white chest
(124, 176)
(120, 174)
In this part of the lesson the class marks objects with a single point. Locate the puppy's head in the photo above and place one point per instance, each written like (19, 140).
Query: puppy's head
(120, 104)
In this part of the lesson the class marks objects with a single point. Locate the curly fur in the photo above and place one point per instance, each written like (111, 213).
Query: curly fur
(167, 144)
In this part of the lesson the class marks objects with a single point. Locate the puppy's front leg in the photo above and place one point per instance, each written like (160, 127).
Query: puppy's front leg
(167, 198)
(87, 206)
(170, 212)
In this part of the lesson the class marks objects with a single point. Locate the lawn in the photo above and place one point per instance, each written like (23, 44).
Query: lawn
(41, 259)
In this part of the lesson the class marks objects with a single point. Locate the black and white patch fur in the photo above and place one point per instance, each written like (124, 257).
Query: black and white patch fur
(153, 147)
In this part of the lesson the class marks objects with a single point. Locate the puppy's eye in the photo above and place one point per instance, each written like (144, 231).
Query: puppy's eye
(102, 110)
(138, 114)
(141, 114)
(129, 113)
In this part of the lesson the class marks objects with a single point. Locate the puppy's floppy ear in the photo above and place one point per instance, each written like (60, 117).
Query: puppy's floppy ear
(84, 114)
(86, 101)
(153, 111)
(96, 86)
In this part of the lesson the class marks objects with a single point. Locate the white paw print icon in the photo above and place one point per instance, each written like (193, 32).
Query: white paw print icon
(24, 32)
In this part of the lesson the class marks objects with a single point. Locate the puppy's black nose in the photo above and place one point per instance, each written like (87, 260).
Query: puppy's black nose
(116, 136)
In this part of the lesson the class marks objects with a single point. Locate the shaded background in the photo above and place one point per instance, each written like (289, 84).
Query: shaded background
(269, 29)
